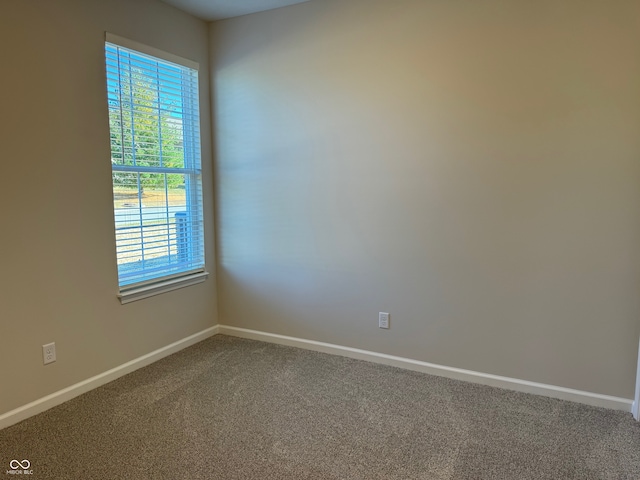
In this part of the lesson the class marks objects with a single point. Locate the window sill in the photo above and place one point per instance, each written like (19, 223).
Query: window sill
(147, 291)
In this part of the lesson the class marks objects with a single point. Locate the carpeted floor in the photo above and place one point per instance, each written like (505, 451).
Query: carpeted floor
(229, 408)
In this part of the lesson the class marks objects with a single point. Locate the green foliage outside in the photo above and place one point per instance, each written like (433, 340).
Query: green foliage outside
(156, 137)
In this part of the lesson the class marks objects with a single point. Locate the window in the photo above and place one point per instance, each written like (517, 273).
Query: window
(156, 169)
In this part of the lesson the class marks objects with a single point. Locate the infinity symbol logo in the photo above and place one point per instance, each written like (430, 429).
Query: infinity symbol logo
(24, 464)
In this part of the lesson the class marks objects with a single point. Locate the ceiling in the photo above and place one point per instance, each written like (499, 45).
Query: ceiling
(219, 9)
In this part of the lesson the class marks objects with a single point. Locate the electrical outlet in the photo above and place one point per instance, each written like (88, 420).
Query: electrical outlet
(49, 353)
(383, 320)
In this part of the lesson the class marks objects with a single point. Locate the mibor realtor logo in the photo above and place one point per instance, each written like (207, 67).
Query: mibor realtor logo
(20, 467)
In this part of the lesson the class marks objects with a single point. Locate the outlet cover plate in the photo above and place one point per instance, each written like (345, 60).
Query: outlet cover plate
(49, 353)
(383, 320)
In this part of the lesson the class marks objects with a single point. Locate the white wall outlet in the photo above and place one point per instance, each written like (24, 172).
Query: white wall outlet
(383, 320)
(49, 353)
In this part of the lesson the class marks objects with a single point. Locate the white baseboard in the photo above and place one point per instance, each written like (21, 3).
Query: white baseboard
(21, 413)
(635, 409)
(594, 399)
(45, 403)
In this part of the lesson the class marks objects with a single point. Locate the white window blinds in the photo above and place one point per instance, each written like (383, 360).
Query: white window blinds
(156, 168)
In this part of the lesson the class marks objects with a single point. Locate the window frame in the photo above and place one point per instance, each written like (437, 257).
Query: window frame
(129, 292)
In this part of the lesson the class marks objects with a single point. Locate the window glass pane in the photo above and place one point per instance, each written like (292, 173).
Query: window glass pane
(155, 157)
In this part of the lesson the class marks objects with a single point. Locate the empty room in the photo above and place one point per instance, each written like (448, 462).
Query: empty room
(320, 239)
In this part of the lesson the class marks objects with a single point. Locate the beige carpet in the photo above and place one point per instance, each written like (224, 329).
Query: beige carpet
(228, 409)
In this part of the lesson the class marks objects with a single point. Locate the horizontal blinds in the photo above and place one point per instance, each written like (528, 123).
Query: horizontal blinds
(150, 51)
(156, 166)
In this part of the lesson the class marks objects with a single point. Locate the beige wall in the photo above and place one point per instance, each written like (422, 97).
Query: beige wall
(59, 280)
(471, 167)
